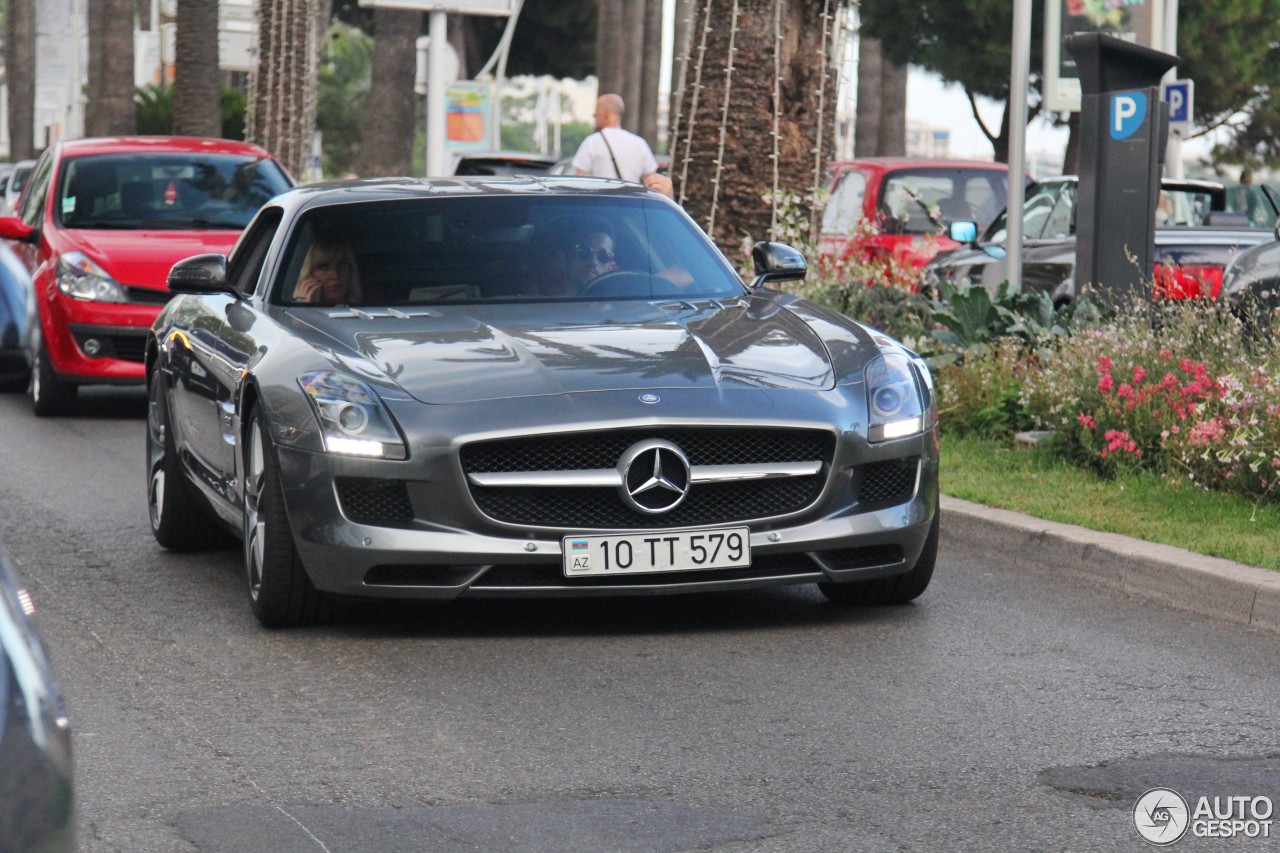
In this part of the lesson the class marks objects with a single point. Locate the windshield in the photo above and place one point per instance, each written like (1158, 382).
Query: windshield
(500, 248)
(925, 201)
(173, 190)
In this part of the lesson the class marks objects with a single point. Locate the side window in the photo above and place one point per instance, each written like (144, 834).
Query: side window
(845, 207)
(245, 265)
(32, 202)
(1062, 221)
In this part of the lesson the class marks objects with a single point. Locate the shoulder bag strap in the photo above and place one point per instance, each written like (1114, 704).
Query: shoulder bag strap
(616, 170)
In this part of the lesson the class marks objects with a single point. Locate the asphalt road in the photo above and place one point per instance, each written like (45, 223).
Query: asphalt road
(1005, 710)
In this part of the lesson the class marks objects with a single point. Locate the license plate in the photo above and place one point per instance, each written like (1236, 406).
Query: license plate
(659, 551)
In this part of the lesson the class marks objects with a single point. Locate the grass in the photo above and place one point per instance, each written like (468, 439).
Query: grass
(1142, 506)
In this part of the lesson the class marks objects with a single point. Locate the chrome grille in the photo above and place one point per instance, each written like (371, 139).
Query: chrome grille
(584, 451)
(597, 507)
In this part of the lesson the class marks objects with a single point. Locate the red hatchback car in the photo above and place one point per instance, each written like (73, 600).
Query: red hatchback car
(910, 201)
(99, 225)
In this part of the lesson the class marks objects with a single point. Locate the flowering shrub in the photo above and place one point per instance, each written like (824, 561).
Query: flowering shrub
(1162, 387)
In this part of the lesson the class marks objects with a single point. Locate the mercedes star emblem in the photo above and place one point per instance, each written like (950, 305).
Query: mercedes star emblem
(655, 476)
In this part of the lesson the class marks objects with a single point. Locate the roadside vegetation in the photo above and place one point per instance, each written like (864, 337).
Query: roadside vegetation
(1159, 420)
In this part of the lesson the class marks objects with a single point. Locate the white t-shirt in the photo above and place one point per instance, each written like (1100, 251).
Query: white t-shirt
(635, 160)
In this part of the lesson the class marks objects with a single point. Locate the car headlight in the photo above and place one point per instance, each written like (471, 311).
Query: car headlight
(894, 399)
(81, 278)
(352, 418)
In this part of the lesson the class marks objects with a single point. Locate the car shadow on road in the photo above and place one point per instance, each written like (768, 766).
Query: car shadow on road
(747, 610)
(105, 403)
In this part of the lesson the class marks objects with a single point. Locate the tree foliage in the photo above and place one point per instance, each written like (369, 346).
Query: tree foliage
(1230, 48)
(967, 42)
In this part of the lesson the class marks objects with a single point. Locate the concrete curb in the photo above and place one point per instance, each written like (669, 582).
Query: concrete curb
(1206, 585)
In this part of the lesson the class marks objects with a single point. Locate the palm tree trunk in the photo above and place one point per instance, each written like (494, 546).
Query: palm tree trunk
(387, 141)
(197, 93)
(110, 111)
(282, 109)
(736, 112)
(20, 74)
(650, 73)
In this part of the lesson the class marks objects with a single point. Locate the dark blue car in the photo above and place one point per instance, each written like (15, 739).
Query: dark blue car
(17, 320)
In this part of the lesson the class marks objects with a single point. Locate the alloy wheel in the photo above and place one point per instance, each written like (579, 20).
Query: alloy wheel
(255, 523)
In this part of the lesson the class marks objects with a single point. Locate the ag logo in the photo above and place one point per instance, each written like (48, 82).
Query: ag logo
(1161, 816)
(1128, 110)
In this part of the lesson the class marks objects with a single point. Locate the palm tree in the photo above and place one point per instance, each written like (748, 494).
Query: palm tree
(628, 60)
(197, 88)
(20, 68)
(757, 112)
(387, 141)
(109, 111)
(282, 103)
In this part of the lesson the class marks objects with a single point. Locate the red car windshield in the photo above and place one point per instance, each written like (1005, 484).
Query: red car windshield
(172, 190)
(926, 200)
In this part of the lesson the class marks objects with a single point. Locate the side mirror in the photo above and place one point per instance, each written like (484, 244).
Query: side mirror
(777, 262)
(199, 274)
(13, 228)
(963, 231)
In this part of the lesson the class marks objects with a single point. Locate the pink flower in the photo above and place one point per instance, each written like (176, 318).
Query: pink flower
(1139, 373)
(1166, 354)
(1104, 384)
(1087, 422)
(1104, 364)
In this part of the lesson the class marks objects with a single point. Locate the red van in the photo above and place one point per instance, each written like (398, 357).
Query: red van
(910, 201)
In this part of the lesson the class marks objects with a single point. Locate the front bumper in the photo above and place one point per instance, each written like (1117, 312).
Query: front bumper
(460, 552)
(92, 342)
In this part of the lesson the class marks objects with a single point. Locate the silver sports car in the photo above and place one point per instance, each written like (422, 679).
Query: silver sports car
(538, 386)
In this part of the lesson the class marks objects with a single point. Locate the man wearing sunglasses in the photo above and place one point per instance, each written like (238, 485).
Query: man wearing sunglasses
(589, 256)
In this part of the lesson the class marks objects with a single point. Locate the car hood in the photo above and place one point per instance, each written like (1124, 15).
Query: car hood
(143, 258)
(483, 352)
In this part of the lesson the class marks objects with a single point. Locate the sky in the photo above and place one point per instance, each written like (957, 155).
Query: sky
(931, 100)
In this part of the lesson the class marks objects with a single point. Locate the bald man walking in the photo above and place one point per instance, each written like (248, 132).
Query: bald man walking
(612, 152)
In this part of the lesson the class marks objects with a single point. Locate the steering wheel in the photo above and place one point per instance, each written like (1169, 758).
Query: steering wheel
(619, 283)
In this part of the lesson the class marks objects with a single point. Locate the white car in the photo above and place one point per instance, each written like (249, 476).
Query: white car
(13, 188)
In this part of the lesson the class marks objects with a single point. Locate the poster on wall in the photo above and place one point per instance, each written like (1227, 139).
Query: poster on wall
(1137, 21)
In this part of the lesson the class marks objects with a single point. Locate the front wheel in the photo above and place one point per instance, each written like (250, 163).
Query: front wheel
(898, 589)
(281, 594)
(50, 396)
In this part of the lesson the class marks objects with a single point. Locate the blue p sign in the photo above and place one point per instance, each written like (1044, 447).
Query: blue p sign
(1128, 110)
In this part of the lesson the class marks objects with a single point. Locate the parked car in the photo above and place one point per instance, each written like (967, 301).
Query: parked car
(501, 163)
(911, 201)
(99, 227)
(1252, 283)
(37, 802)
(1195, 238)
(534, 387)
(565, 166)
(17, 320)
(18, 177)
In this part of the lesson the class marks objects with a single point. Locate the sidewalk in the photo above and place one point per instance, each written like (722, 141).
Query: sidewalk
(1207, 585)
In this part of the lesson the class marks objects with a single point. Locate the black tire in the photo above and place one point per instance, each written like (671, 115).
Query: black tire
(281, 594)
(178, 520)
(50, 396)
(898, 589)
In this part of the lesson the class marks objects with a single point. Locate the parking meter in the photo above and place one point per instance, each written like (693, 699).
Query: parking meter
(1123, 127)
